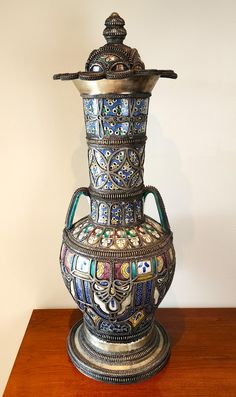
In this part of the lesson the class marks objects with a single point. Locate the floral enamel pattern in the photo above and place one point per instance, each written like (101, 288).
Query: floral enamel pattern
(144, 267)
(120, 238)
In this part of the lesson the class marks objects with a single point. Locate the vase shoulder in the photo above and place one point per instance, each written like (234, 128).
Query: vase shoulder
(146, 237)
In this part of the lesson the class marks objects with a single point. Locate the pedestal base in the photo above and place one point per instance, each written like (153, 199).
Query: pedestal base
(118, 362)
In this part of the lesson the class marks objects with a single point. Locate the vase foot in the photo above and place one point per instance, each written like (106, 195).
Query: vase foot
(118, 362)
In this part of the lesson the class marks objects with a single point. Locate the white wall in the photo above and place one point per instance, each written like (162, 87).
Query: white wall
(190, 153)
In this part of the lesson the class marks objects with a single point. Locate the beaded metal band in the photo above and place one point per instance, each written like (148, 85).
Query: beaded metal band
(128, 141)
(117, 96)
(111, 196)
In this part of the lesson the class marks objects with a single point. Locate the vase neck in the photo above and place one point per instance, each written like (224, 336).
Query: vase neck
(116, 136)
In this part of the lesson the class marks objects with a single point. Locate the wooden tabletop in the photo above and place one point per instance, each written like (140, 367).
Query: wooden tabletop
(202, 363)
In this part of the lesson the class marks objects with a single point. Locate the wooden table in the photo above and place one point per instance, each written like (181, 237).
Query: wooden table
(203, 360)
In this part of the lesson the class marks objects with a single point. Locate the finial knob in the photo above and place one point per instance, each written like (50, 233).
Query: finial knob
(114, 31)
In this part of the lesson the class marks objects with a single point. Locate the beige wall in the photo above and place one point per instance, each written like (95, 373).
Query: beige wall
(190, 153)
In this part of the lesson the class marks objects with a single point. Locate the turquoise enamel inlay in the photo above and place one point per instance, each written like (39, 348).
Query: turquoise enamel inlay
(133, 271)
(154, 265)
(92, 268)
(73, 207)
(162, 214)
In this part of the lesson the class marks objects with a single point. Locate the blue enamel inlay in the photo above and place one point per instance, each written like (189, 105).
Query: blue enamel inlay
(112, 302)
(79, 288)
(91, 106)
(139, 209)
(139, 294)
(129, 213)
(140, 106)
(103, 214)
(87, 291)
(92, 128)
(101, 180)
(115, 107)
(106, 152)
(118, 129)
(100, 312)
(102, 116)
(108, 185)
(104, 283)
(139, 128)
(93, 210)
(116, 215)
(116, 161)
(148, 291)
(73, 260)
(101, 157)
(127, 314)
(118, 179)
(144, 266)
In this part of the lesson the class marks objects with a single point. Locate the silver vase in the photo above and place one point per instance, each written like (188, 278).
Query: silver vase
(117, 262)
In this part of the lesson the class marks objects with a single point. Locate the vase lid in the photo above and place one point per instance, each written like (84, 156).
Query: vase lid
(115, 60)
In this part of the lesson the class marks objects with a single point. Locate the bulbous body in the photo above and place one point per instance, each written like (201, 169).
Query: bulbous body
(118, 291)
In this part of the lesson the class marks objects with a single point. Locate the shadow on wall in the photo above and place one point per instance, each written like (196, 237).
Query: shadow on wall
(163, 169)
(79, 165)
(79, 162)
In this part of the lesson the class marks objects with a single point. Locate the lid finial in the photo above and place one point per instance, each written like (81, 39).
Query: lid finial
(114, 31)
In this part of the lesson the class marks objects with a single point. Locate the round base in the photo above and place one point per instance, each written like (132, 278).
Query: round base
(118, 362)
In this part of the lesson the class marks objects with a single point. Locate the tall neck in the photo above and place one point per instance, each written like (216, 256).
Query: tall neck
(116, 135)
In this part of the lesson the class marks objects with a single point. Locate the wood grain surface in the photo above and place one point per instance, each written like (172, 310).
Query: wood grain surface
(202, 363)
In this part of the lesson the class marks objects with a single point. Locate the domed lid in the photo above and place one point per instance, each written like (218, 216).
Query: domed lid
(115, 60)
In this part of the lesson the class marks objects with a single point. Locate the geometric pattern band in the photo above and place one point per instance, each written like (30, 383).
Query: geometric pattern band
(119, 117)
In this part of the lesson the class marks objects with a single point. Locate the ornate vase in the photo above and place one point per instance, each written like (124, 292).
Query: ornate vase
(117, 263)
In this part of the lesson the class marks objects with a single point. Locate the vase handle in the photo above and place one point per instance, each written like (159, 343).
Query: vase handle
(160, 206)
(73, 205)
